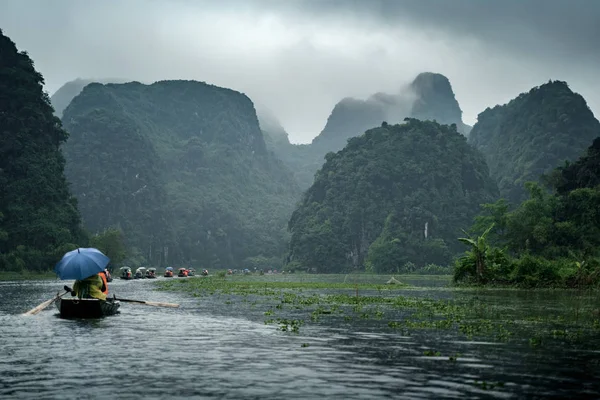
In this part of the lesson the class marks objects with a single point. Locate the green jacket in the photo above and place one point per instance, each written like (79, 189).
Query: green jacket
(90, 287)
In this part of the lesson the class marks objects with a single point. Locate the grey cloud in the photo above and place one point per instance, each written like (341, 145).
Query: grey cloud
(299, 58)
(565, 27)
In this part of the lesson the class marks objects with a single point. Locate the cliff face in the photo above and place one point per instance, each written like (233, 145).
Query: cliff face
(180, 165)
(533, 134)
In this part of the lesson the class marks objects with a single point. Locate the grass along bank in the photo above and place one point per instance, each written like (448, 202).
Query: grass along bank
(26, 275)
(292, 303)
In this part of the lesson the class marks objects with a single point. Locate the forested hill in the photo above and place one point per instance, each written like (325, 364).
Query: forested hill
(39, 220)
(371, 202)
(179, 165)
(63, 96)
(533, 134)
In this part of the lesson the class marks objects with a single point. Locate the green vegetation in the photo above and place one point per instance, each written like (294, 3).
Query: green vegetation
(551, 239)
(291, 303)
(372, 202)
(39, 220)
(111, 243)
(181, 168)
(26, 275)
(533, 134)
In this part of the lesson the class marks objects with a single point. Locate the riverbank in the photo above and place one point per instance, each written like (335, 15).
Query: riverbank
(26, 275)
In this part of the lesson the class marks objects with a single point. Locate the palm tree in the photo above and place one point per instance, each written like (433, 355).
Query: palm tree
(479, 250)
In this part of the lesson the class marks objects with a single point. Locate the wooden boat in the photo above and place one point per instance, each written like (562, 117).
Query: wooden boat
(86, 308)
(151, 273)
(140, 273)
(126, 273)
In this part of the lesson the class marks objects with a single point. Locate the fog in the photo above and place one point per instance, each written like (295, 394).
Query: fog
(299, 58)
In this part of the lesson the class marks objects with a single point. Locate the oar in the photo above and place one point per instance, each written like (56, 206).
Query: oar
(45, 304)
(149, 303)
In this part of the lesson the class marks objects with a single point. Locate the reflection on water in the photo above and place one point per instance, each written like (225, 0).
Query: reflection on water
(219, 346)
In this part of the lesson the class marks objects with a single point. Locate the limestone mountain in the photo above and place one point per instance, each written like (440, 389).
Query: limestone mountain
(533, 134)
(397, 194)
(428, 97)
(182, 167)
(435, 100)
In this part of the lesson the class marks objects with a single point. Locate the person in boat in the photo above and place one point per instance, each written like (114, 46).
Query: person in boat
(104, 276)
(90, 288)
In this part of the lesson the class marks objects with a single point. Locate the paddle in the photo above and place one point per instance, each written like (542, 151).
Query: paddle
(149, 303)
(45, 304)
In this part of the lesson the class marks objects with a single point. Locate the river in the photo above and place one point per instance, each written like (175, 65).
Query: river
(210, 348)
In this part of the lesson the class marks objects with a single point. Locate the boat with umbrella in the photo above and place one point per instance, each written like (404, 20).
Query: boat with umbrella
(83, 265)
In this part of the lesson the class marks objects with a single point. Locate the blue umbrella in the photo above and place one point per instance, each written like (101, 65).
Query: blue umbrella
(81, 263)
(169, 268)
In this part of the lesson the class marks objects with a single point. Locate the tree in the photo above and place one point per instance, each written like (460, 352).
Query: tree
(479, 251)
(111, 243)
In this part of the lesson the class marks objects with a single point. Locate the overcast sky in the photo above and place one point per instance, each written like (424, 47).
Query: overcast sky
(299, 58)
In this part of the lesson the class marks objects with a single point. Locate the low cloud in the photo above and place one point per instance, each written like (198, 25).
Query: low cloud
(299, 58)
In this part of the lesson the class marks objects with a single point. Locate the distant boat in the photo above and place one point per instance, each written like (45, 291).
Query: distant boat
(126, 273)
(151, 273)
(182, 273)
(140, 273)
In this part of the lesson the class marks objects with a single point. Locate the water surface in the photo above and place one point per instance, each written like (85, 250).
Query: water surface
(219, 346)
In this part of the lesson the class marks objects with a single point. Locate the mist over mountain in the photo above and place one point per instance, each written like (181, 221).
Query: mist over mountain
(428, 97)
(434, 100)
(63, 96)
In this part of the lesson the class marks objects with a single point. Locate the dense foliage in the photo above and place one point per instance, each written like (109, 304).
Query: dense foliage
(39, 220)
(181, 168)
(533, 134)
(112, 243)
(550, 238)
(371, 203)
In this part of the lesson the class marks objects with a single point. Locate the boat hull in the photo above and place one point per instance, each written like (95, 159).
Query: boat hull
(86, 308)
